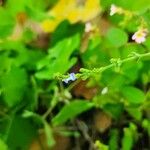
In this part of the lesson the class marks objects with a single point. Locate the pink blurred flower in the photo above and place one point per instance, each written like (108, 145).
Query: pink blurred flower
(140, 36)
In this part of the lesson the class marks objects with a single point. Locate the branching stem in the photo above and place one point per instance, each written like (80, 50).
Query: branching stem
(86, 73)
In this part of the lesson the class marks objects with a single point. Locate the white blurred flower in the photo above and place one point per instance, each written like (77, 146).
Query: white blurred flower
(88, 27)
(71, 77)
(113, 9)
(140, 36)
(104, 91)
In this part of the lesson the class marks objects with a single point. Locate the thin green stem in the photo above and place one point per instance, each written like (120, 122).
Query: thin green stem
(115, 63)
(86, 73)
(9, 128)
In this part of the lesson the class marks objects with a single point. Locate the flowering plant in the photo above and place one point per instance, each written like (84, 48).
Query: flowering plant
(74, 74)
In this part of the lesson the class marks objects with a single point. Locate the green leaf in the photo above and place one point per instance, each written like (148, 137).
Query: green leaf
(5, 63)
(49, 135)
(136, 113)
(71, 110)
(100, 145)
(64, 30)
(16, 52)
(130, 136)
(75, 134)
(133, 95)
(146, 125)
(6, 23)
(114, 80)
(20, 133)
(114, 140)
(13, 86)
(3, 146)
(32, 8)
(58, 59)
(47, 128)
(129, 48)
(36, 117)
(11, 6)
(117, 37)
(94, 56)
(115, 113)
(27, 114)
(131, 71)
(127, 141)
(140, 5)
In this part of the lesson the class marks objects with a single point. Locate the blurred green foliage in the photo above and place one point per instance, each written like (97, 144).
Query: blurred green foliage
(31, 98)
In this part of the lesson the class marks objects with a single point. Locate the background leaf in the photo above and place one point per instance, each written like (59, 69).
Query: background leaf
(13, 86)
(117, 37)
(6, 26)
(133, 95)
(71, 110)
(49, 135)
(58, 59)
(3, 146)
(128, 138)
(20, 133)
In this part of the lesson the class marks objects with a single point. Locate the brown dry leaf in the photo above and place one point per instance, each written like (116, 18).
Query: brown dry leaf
(62, 143)
(81, 90)
(21, 18)
(23, 22)
(104, 25)
(17, 33)
(42, 41)
(1, 2)
(102, 121)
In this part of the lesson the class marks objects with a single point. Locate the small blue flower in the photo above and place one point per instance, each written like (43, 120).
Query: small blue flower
(71, 77)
